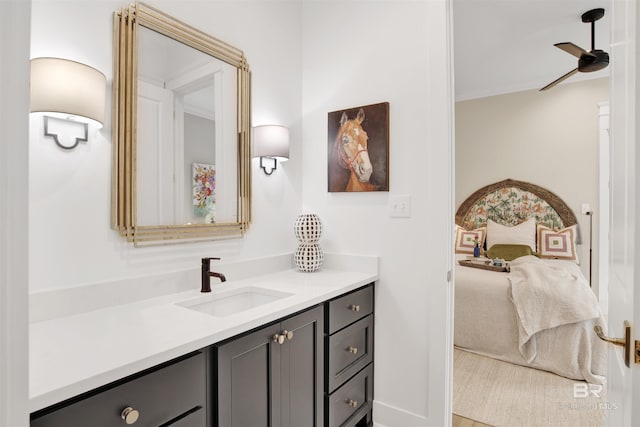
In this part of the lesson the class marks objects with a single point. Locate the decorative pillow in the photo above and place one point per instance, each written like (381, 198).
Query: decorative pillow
(509, 252)
(521, 234)
(466, 239)
(557, 244)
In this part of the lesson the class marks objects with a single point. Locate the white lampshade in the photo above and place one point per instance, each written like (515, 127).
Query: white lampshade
(67, 89)
(271, 141)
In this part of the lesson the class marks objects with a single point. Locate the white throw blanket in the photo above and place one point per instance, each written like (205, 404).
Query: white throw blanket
(546, 296)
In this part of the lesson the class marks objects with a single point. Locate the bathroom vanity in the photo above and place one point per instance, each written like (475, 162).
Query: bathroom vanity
(297, 351)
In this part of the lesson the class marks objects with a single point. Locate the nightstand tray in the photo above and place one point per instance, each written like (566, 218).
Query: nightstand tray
(485, 265)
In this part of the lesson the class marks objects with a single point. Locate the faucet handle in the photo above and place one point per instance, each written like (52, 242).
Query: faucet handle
(207, 260)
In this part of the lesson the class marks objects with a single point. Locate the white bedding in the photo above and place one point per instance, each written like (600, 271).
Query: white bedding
(487, 322)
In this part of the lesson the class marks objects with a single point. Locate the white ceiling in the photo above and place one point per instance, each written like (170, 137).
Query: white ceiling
(503, 46)
(165, 59)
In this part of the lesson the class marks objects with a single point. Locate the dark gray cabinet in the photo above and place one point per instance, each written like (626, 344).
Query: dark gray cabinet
(348, 351)
(350, 405)
(274, 375)
(349, 359)
(173, 394)
(248, 372)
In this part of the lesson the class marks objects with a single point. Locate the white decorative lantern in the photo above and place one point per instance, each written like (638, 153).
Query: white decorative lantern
(309, 255)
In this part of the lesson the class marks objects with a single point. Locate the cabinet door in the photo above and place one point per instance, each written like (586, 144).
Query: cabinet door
(248, 375)
(302, 370)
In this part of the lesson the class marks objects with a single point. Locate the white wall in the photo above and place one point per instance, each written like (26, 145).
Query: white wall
(71, 242)
(547, 138)
(360, 53)
(14, 228)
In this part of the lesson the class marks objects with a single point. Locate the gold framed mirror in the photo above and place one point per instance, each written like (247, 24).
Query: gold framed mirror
(181, 132)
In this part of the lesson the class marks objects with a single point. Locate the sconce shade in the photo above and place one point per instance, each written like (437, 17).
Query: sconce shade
(67, 88)
(271, 141)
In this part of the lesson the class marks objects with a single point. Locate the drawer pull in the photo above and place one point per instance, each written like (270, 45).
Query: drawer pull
(288, 334)
(354, 307)
(353, 350)
(352, 403)
(130, 415)
(279, 339)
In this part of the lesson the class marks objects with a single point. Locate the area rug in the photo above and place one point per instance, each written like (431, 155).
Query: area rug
(505, 395)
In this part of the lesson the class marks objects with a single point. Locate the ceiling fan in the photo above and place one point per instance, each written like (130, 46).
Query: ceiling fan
(593, 60)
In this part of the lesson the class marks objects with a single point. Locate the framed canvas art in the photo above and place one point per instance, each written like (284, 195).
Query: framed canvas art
(358, 149)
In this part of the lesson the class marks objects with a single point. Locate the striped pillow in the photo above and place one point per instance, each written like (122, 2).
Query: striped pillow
(465, 239)
(557, 244)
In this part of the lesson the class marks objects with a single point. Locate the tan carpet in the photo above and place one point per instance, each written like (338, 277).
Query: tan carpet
(502, 394)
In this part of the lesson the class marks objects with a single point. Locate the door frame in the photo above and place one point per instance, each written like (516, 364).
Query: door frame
(15, 20)
(603, 207)
(623, 382)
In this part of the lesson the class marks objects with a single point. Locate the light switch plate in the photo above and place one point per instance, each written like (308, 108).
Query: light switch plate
(400, 206)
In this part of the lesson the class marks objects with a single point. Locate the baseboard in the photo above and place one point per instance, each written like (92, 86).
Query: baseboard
(385, 415)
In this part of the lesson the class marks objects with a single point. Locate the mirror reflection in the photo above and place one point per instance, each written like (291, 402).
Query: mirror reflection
(187, 164)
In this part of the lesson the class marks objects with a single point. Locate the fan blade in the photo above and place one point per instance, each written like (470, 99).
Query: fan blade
(555, 82)
(571, 48)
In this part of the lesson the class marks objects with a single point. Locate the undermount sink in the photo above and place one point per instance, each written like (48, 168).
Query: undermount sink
(233, 301)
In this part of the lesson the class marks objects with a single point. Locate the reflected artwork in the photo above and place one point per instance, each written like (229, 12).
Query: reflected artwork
(204, 195)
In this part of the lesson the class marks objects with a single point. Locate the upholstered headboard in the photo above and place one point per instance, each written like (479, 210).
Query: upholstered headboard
(511, 202)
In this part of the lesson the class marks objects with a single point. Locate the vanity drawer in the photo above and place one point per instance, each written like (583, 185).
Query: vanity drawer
(349, 308)
(347, 404)
(173, 395)
(349, 350)
(197, 418)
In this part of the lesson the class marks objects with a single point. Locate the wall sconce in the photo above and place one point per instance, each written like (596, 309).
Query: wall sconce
(67, 90)
(270, 143)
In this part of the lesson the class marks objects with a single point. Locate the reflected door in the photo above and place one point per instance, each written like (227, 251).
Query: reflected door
(155, 195)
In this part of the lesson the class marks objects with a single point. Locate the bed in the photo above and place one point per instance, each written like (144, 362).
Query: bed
(542, 312)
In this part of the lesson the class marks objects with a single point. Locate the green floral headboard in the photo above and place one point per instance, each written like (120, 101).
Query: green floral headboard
(511, 202)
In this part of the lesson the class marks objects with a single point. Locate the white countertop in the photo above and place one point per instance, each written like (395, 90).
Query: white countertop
(77, 353)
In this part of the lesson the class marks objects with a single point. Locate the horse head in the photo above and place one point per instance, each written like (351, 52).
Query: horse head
(351, 146)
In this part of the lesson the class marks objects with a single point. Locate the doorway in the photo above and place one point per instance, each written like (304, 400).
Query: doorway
(527, 129)
(480, 128)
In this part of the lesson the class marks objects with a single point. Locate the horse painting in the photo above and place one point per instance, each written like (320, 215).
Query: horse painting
(350, 167)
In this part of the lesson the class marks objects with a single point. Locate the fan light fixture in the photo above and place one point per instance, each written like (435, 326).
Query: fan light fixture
(270, 143)
(593, 60)
(67, 91)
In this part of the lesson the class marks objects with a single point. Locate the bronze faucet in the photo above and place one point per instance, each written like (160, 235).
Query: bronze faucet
(206, 274)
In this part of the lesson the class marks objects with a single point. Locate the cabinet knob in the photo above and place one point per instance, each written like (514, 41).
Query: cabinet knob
(278, 338)
(354, 307)
(288, 334)
(352, 350)
(352, 403)
(130, 415)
